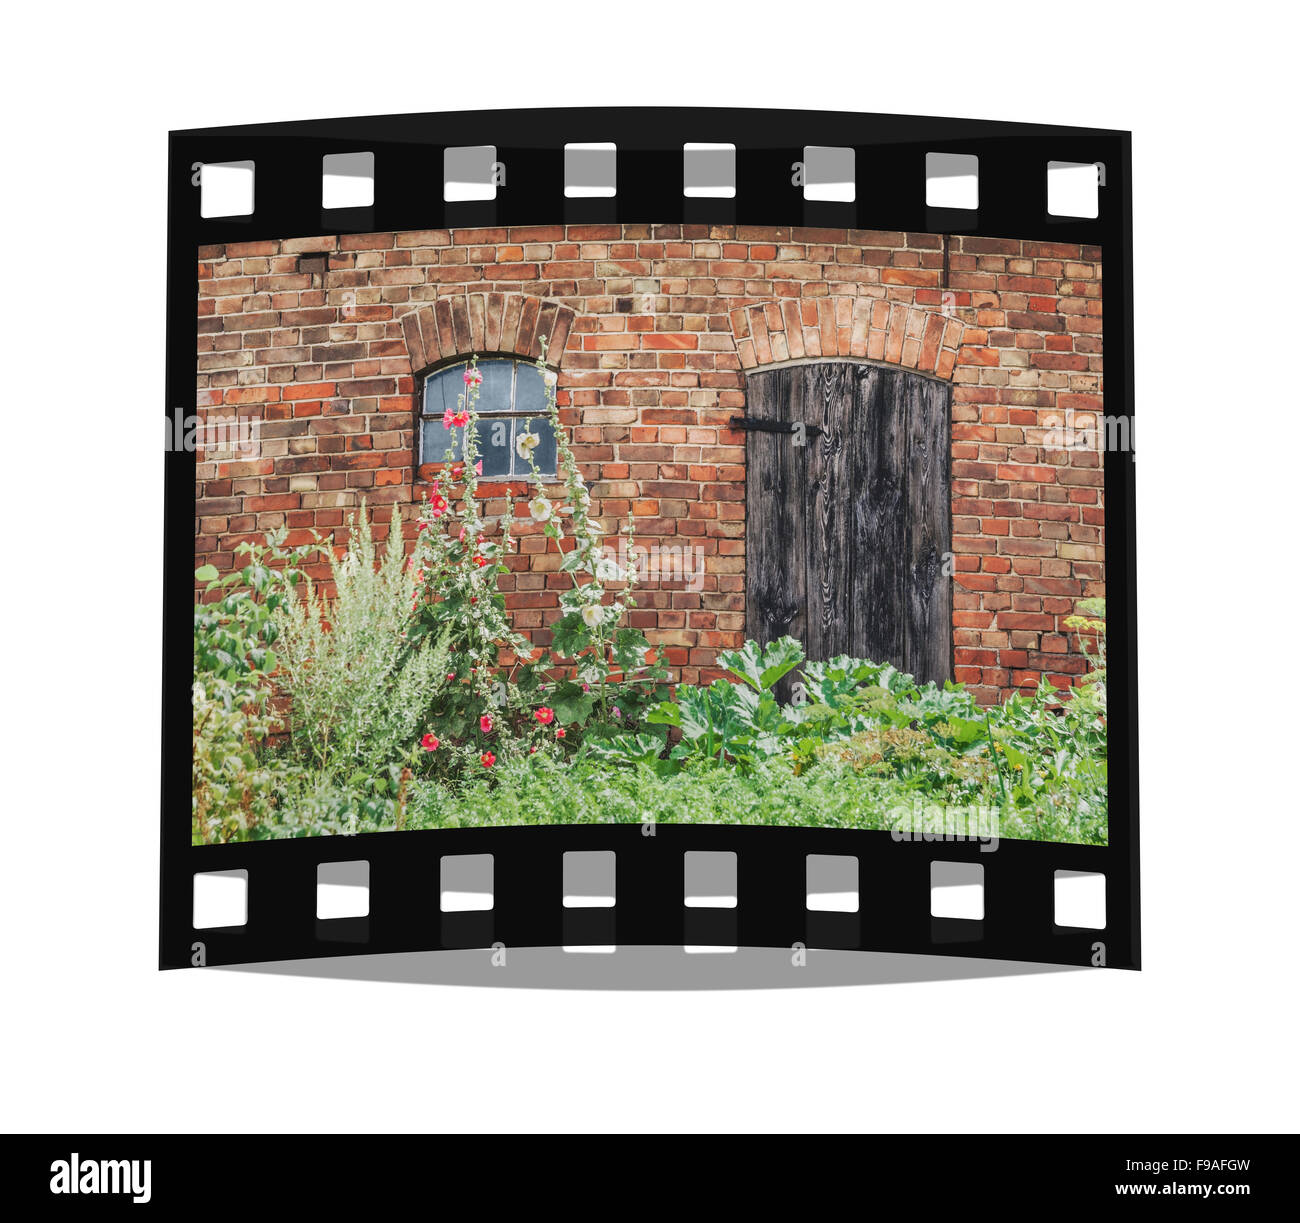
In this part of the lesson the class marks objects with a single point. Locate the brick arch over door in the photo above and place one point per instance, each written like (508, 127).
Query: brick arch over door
(485, 323)
(864, 328)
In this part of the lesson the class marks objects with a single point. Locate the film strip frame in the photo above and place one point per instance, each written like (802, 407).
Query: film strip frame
(771, 907)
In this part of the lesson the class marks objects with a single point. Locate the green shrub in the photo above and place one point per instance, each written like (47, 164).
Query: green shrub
(233, 784)
(360, 690)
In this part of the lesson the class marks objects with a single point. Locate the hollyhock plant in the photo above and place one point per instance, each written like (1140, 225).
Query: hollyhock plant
(429, 743)
(590, 636)
(497, 673)
(461, 556)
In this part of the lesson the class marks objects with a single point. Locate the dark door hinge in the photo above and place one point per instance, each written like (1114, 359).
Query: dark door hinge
(763, 425)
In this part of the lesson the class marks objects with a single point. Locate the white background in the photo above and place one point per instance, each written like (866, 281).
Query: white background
(94, 1037)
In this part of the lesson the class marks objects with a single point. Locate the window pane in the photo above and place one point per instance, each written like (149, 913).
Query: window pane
(441, 392)
(544, 454)
(436, 439)
(494, 394)
(530, 391)
(496, 443)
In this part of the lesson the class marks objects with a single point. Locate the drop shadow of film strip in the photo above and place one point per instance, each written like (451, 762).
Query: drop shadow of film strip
(737, 177)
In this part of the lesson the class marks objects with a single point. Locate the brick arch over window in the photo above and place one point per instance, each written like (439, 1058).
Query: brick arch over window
(485, 323)
(894, 332)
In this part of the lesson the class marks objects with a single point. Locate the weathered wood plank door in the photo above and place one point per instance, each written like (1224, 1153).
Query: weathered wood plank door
(849, 514)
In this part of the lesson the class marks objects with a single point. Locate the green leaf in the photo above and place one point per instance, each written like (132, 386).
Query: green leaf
(572, 704)
(964, 730)
(630, 648)
(761, 666)
(569, 635)
(627, 749)
(206, 573)
(665, 714)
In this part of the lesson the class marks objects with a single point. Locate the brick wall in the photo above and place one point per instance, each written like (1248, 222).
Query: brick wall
(321, 339)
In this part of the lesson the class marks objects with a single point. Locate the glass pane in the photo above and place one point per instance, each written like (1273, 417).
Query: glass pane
(441, 392)
(545, 451)
(494, 394)
(530, 391)
(496, 443)
(436, 440)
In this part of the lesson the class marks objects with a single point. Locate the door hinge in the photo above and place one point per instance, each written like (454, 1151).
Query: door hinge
(762, 425)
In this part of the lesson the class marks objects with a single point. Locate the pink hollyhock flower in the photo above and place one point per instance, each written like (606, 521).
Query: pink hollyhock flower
(485, 724)
(473, 377)
(559, 732)
(616, 711)
(545, 715)
(487, 760)
(429, 743)
(478, 467)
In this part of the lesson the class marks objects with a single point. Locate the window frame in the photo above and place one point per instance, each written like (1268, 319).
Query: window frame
(512, 413)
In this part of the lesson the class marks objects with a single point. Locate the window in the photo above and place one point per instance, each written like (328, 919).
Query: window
(511, 402)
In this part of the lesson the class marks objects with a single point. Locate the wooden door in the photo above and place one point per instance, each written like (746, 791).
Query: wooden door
(849, 514)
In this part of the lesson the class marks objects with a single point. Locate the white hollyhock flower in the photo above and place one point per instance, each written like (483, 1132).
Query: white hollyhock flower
(526, 443)
(593, 615)
(540, 508)
(608, 570)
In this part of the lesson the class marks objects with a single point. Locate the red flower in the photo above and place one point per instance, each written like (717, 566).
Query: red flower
(559, 732)
(451, 675)
(545, 716)
(473, 377)
(457, 470)
(485, 724)
(480, 561)
(429, 743)
(487, 760)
